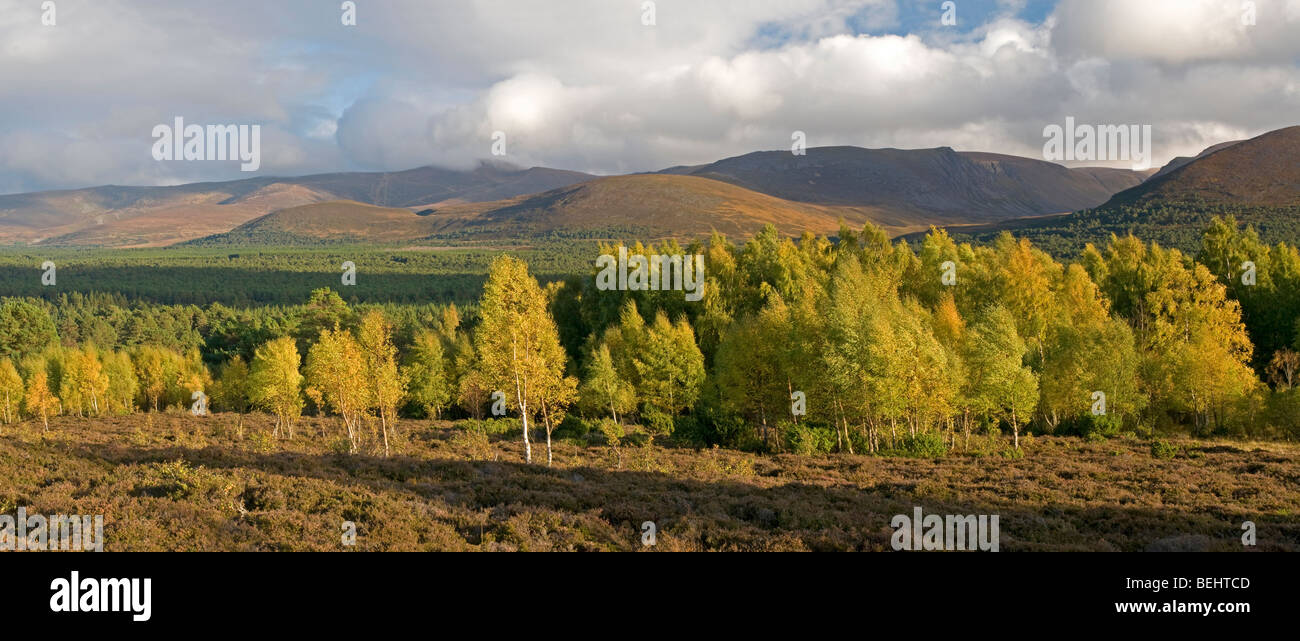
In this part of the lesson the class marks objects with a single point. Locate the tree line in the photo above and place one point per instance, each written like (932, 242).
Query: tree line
(853, 344)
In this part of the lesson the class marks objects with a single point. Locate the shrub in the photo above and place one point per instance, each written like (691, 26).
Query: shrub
(1163, 449)
(806, 439)
(657, 421)
(494, 426)
(261, 497)
(1096, 428)
(178, 481)
(922, 445)
(732, 431)
(474, 439)
(261, 440)
(340, 445)
(693, 431)
(573, 427)
(613, 433)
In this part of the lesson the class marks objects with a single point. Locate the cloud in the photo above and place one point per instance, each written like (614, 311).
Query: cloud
(584, 85)
(1178, 31)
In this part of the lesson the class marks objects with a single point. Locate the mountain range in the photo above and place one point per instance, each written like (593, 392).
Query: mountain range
(903, 191)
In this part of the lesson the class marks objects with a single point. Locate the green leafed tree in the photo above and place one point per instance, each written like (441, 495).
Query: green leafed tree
(517, 342)
(379, 376)
(603, 389)
(428, 384)
(334, 380)
(231, 390)
(275, 384)
(25, 329)
(39, 400)
(1001, 387)
(670, 366)
(11, 390)
(122, 383)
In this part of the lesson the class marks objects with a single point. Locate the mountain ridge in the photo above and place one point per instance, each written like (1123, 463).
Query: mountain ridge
(899, 190)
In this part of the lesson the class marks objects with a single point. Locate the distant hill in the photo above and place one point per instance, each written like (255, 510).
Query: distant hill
(1262, 171)
(334, 221)
(1179, 162)
(925, 185)
(899, 190)
(1257, 181)
(647, 205)
(154, 216)
(426, 185)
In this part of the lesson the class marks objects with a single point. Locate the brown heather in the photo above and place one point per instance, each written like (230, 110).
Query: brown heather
(175, 482)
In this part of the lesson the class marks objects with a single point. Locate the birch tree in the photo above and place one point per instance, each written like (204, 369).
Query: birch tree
(517, 341)
(1000, 385)
(426, 374)
(275, 383)
(383, 386)
(39, 400)
(603, 389)
(231, 390)
(11, 390)
(334, 374)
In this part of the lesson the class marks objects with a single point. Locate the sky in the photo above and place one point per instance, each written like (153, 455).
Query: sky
(588, 85)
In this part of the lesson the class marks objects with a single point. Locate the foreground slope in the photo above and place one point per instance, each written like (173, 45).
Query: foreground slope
(176, 482)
